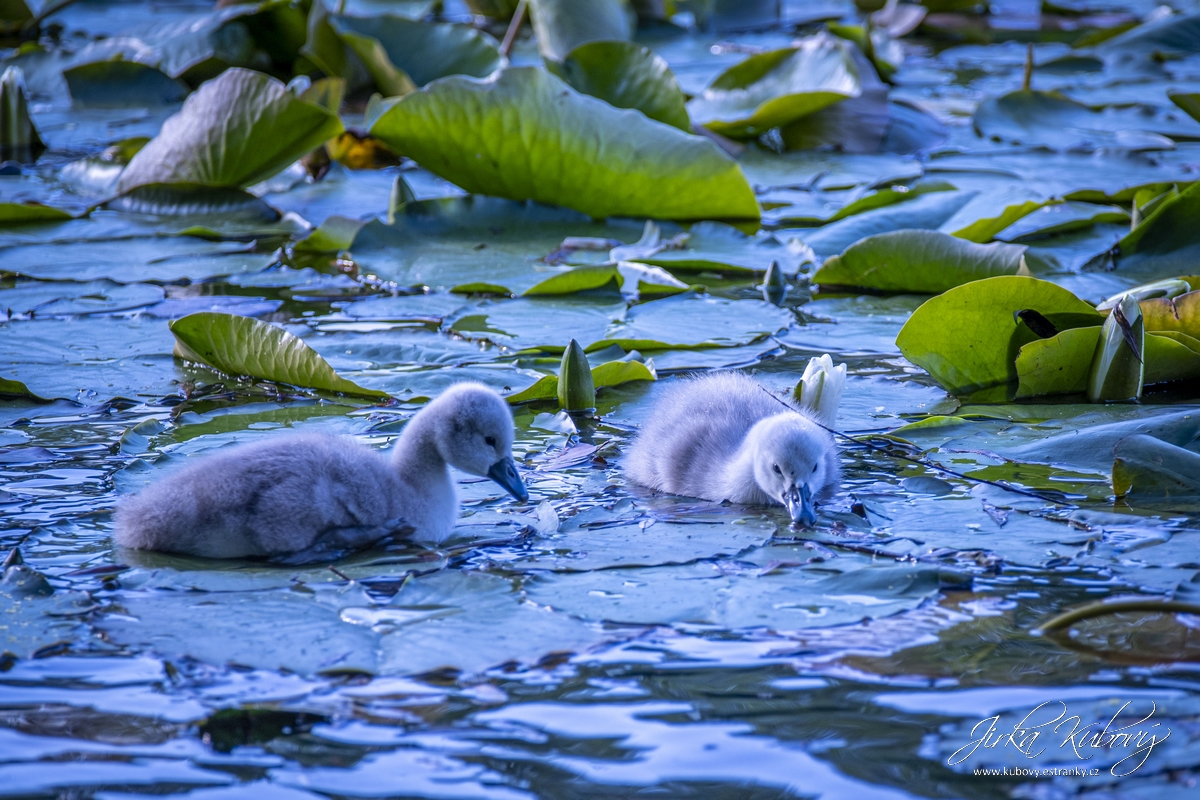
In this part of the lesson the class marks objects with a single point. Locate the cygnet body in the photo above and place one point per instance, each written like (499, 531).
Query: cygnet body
(295, 494)
(726, 437)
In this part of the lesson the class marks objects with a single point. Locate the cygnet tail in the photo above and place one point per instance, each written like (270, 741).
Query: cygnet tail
(820, 389)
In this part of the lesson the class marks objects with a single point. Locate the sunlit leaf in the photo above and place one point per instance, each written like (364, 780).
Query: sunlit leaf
(544, 141)
(771, 89)
(968, 338)
(919, 261)
(604, 376)
(234, 131)
(627, 75)
(244, 346)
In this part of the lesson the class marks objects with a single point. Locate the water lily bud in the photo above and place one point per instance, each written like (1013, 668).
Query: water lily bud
(401, 193)
(576, 392)
(774, 285)
(18, 137)
(820, 388)
(1118, 371)
(1169, 288)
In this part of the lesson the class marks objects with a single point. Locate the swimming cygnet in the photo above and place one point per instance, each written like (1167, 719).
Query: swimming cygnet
(313, 495)
(726, 437)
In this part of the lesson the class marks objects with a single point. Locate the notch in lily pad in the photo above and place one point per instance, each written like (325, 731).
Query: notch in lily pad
(242, 346)
(576, 390)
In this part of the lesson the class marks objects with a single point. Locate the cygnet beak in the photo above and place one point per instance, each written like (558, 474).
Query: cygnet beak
(799, 504)
(504, 472)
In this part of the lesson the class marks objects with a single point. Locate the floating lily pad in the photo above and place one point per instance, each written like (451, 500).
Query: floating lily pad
(530, 123)
(627, 75)
(1145, 468)
(919, 261)
(563, 25)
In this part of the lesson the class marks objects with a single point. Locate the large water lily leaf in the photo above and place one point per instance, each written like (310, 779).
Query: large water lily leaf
(772, 89)
(122, 83)
(563, 25)
(627, 75)
(1054, 219)
(235, 130)
(543, 141)
(923, 213)
(919, 261)
(691, 321)
(243, 346)
(968, 338)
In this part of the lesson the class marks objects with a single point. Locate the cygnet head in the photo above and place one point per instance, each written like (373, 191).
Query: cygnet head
(791, 462)
(473, 431)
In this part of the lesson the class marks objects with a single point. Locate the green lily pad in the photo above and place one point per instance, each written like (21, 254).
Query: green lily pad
(627, 75)
(28, 213)
(563, 25)
(923, 213)
(1054, 219)
(122, 83)
(772, 89)
(234, 131)
(919, 261)
(985, 229)
(542, 138)
(632, 279)
(968, 338)
(1166, 240)
(244, 346)
(15, 390)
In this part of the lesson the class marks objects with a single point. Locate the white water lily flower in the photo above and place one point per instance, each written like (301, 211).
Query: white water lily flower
(820, 388)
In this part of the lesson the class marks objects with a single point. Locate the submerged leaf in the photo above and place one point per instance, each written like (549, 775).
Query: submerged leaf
(772, 89)
(244, 346)
(524, 134)
(919, 261)
(1053, 120)
(627, 75)
(234, 131)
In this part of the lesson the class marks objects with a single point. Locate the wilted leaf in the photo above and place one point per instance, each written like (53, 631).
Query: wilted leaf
(244, 346)
(525, 134)
(234, 131)
(919, 261)
(627, 75)
(968, 338)
(772, 89)
(1181, 313)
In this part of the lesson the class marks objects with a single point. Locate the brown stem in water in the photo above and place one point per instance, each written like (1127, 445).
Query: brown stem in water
(1027, 81)
(510, 35)
(1102, 608)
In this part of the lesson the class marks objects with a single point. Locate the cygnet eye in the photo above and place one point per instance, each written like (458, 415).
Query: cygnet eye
(778, 471)
(815, 467)
(490, 441)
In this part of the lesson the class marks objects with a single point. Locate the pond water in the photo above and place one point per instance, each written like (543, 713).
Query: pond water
(596, 641)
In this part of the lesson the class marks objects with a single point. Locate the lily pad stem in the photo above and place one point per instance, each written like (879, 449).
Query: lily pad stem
(510, 35)
(1027, 80)
(1102, 608)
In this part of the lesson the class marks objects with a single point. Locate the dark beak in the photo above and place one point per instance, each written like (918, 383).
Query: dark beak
(504, 472)
(799, 504)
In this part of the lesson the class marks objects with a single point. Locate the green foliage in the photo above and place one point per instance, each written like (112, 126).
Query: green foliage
(576, 390)
(243, 346)
(234, 131)
(563, 25)
(607, 375)
(919, 261)
(626, 75)
(527, 135)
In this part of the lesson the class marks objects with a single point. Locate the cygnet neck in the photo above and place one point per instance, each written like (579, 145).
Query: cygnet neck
(416, 453)
(739, 474)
